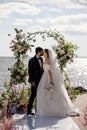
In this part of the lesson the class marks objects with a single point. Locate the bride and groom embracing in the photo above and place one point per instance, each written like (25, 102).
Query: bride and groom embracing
(47, 85)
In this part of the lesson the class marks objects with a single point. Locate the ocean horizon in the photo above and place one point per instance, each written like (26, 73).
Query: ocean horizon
(77, 71)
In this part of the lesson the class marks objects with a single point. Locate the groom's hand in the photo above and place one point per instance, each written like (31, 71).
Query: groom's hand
(33, 84)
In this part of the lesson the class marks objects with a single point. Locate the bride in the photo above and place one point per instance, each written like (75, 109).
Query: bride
(52, 96)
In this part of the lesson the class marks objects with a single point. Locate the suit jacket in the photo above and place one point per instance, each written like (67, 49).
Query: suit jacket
(34, 70)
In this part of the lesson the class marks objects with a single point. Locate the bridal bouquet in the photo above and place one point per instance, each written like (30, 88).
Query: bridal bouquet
(49, 90)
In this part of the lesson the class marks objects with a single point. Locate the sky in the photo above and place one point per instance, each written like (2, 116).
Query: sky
(69, 17)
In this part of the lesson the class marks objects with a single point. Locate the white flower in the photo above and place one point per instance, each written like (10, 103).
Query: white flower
(17, 77)
(60, 45)
(13, 80)
(24, 55)
(18, 70)
(71, 59)
(22, 72)
(62, 52)
(15, 54)
(61, 59)
(18, 46)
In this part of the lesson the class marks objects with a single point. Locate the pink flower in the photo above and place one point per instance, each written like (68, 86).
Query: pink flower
(17, 36)
(12, 49)
(60, 45)
(55, 37)
(0, 113)
(13, 41)
(7, 124)
(11, 46)
(21, 30)
(9, 34)
(13, 90)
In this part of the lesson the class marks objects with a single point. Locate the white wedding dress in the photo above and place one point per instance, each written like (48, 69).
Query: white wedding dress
(55, 102)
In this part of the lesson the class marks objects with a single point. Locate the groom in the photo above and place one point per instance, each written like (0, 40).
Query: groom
(35, 70)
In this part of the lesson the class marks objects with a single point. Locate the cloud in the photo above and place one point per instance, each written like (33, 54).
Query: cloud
(72, 29)
(22, 22)
(81, 2)
(51, 9)
(4, 12)
(65, 29)
(35, 28)
(64, 19)
(61, 3)
(26, 9)
(72, 24)
(7, 9)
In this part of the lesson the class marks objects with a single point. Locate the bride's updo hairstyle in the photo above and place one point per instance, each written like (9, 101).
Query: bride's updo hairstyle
(47, 52)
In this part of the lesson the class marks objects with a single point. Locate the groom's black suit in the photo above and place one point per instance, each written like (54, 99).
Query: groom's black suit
(35, 72)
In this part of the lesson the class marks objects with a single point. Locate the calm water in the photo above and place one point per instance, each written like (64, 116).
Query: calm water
(5, 63)
(77, 71)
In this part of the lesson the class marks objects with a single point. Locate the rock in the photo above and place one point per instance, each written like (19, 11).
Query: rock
(80, 88)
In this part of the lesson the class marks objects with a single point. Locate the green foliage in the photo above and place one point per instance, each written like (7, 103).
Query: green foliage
(74, 93)
(71, 91)
(20, 96)
(19, 44)
(65, 50)
(1, 103)
(19, 47)
(18, 73)
(65, 53)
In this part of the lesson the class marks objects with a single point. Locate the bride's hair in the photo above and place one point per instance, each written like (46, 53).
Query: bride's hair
(51, 55)
(47, 52)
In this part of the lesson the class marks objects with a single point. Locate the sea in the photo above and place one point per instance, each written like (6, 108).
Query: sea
(77, 71)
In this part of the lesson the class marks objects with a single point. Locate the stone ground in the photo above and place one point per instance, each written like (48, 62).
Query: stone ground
(80, 102)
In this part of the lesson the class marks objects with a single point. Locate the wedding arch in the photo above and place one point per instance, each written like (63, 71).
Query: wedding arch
(20, 45)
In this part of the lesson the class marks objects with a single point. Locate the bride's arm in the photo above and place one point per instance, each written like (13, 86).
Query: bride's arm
(50, 75)
(50, 72)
